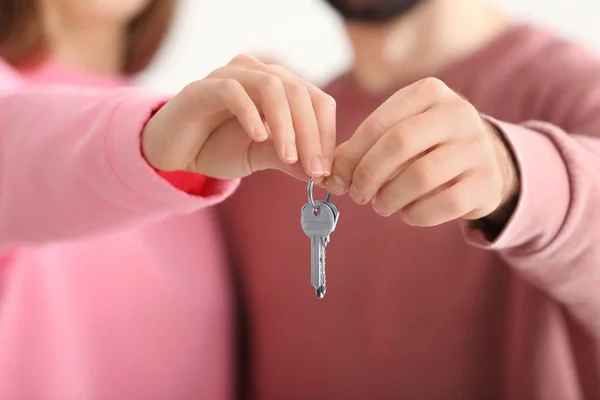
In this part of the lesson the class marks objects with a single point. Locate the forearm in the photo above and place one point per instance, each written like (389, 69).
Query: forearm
(71, 165)
(553, 236)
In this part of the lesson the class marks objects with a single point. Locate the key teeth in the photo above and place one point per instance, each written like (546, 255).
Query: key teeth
(323, 271)
(321, 290)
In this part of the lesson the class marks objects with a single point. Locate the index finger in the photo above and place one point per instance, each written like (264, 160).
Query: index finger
(408, 102)
(405, 103)
(324, 107)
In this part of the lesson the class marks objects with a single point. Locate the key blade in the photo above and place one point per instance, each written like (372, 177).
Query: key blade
(321, 292)
(317, 256)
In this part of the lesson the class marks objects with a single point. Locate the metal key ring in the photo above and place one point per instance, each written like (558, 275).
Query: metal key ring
(311, 200)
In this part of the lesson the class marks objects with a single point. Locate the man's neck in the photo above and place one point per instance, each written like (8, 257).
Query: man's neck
(421, 43)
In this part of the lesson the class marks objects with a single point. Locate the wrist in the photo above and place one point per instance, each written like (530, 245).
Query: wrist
(510, 176)
(157, 141)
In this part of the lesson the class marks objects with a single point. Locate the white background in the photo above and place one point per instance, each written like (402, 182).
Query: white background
(308, 37)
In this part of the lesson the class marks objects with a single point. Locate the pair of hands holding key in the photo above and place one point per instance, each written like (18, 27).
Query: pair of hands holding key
(425, 153)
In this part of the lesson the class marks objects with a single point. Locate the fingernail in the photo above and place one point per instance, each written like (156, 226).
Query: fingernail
(290, 153)
(336, 185)
(356, 196)
(378, 210)
(405, 217)
(259, 134)
(267, 128)
(319, 181)
(328, 165)
(316, 165)
(376, 207)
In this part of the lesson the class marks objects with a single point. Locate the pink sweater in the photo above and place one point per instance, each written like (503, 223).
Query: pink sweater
(113, 284)
(429, 313)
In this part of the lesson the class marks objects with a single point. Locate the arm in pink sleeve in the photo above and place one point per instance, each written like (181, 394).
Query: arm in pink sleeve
(553, 236)
(71, 165)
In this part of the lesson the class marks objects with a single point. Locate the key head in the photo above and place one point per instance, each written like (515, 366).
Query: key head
(336, 211)
(317, 222)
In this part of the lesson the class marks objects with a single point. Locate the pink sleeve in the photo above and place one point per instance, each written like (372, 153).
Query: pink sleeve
(71, 165)
(553, 236)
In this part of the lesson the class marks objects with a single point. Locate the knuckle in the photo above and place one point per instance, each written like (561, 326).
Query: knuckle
(247, 110)
(424, 176)
(455, 204)
(398, 141)
(374, 127)
(466, 109)
(326, 101)
(296, 88)
(243, 59)
(278, 69)
(193, 86)
(229, 86)
(219, 72)
(271, 83)
(434, 87)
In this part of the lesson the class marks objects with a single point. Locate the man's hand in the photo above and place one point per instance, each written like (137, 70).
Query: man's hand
(428, 154)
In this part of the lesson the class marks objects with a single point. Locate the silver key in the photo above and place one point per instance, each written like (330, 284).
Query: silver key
(318, 223)
(336, 211)
(318, 203)
(336, 214)
(319, 218)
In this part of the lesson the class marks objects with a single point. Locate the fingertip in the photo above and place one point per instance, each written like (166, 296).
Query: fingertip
(267, 128)
(406, 217)
(290, 153)
(328, 161)
(320, 182)
(259, 133)
(336, 185)
(316, 166)
(357, 196)
(378, 208)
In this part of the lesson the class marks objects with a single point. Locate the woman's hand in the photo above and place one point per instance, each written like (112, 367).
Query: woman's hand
(427, 153)
(244, 117)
